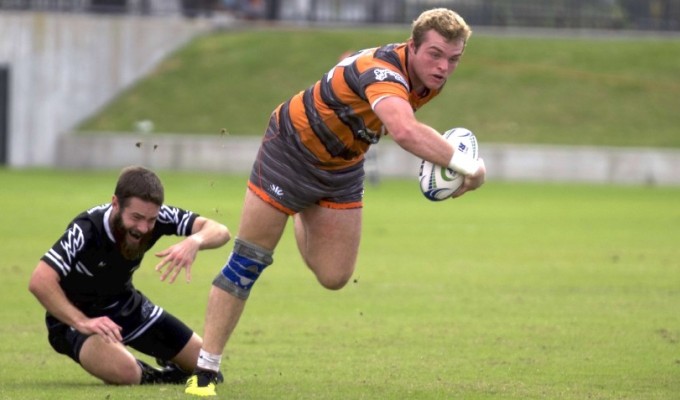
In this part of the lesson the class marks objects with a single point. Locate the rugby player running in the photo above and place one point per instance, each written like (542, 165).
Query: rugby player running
(310, 167)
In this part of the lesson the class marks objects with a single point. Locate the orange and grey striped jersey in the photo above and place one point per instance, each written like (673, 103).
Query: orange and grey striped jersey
(333, 120)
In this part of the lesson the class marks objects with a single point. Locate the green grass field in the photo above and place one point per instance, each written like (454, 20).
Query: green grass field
(508, 89)
(517, 291)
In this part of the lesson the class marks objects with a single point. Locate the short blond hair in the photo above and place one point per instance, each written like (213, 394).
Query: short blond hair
(444, 21)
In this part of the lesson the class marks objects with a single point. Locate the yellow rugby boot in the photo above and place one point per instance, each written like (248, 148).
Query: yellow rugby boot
(202, 383)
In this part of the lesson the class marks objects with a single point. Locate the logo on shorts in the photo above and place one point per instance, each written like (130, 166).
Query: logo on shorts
(276, 190)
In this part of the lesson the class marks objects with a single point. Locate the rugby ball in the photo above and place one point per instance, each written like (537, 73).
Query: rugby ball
(439, 183)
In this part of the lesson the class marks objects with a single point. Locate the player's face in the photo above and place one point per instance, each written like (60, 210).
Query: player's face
(133, 226)
(434, 60)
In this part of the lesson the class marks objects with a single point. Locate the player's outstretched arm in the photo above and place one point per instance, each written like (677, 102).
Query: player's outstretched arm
(426, 143)
(410, 134)
(205, 234)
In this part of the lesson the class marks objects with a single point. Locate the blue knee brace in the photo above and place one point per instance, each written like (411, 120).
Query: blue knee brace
(244, 266)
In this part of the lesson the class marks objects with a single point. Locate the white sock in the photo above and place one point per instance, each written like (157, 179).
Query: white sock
(209, 361)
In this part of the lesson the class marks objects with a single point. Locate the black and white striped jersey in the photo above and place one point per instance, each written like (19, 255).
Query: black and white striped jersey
(94, 274)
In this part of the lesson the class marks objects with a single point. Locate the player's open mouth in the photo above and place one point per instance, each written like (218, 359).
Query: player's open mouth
(135, 236)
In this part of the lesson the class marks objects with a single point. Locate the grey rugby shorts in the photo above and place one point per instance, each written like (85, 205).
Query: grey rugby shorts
(285, 175)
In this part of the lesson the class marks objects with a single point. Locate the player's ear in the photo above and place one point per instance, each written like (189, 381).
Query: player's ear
(114, 202)
(411, 45)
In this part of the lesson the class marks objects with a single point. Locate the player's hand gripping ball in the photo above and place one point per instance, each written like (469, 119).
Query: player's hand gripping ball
(439, 183)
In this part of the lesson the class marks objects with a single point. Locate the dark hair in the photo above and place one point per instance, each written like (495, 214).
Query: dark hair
(140, 182)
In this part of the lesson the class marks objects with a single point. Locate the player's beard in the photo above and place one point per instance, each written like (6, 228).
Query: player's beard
(130, 251)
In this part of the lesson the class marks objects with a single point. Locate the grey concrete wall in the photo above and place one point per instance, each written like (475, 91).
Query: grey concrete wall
(65, 67)
(233, 154)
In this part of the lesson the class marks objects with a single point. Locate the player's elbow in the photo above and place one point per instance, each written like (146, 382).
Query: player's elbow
(35, 285)
(41, 278)
(220, 235)
(405, 138)
(406, 133)
(223, 234)
(32, 286)
(214, 234)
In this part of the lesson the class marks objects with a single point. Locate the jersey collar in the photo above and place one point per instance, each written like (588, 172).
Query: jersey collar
(107, 226)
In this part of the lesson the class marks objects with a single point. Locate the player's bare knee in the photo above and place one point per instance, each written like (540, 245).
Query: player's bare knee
(332, 284)
(131, 377)
(333, 281)
(124, 375)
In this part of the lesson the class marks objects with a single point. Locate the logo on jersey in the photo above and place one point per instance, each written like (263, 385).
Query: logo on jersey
(74, 241)
(80, 267)
(168, 214)
(382, 74)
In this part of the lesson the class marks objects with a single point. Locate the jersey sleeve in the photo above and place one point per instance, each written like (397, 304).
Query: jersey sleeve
(381, 82)
(176, 221)
(64, 255)
(374, 74)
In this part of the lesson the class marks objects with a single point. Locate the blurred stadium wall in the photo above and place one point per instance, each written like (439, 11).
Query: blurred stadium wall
(63, 67)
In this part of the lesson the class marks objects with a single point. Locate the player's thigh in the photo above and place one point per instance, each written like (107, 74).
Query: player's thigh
(108, 361)
(261, 223)
(329, 240)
